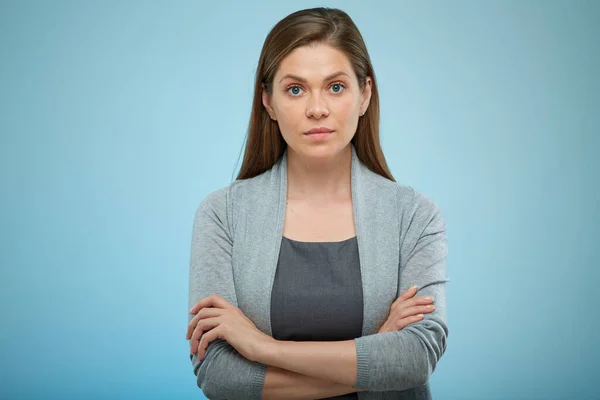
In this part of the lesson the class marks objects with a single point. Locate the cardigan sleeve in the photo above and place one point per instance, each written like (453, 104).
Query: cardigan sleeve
(223, 373)
(406, 358)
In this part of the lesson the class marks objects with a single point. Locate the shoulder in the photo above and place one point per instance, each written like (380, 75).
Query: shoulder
(219, 204)
(408, 200)
(413, 201)
(418, 212)
(212, 210)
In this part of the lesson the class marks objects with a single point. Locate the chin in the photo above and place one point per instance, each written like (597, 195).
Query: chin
(322, 151)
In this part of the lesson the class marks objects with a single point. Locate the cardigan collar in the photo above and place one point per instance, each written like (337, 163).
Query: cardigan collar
(374, 203)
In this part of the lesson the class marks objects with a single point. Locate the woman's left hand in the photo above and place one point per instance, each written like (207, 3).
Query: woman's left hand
(216, 318)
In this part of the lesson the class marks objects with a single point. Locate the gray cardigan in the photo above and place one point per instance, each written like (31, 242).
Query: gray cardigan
(401, 235)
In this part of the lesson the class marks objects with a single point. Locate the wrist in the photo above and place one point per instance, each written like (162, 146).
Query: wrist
(267, 351)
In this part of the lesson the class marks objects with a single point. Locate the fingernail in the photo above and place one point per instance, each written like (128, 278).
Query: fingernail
(414, 287)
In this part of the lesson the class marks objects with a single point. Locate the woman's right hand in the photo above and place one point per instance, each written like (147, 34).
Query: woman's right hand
(407, 310)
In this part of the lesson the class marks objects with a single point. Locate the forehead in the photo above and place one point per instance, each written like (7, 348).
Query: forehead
(314, 62)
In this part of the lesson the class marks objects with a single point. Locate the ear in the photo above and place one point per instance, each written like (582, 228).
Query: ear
(366, 95)
(266, 100)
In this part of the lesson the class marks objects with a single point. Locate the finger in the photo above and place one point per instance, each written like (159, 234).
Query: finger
(203, 326)
(410, 292)
(206, 339)
(204, 302)
(419, 300)
(204, 313)
(424, 299)
(214, 300)
(404, 322)
(412, 311)
(415, 301)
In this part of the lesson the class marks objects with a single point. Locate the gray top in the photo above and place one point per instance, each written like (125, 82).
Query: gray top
(401, 235)
(317, 293)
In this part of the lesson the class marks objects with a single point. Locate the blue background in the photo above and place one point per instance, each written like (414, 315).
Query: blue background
(118, 117)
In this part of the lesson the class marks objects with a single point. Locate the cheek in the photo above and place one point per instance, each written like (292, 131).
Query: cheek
(290, 113)
(290, 108)
(347, 110)
(289, 116)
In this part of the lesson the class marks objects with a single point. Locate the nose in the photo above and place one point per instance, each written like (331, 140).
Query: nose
(316, 107)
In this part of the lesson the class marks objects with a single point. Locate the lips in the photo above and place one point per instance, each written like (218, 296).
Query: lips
(318, 130)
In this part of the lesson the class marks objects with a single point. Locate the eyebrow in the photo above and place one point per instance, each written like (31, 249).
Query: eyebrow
(327, 78)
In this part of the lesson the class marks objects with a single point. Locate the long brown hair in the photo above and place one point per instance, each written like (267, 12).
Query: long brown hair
(265, 144)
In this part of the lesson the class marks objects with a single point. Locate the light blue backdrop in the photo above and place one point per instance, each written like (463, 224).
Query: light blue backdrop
(117, 118)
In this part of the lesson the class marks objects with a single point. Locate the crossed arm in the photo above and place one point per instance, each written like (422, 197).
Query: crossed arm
(284, 384)
(308, 370)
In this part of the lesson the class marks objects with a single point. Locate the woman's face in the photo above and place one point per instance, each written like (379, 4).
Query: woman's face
(316, 87)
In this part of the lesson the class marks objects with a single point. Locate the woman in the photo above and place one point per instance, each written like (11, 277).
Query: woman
(304, 271)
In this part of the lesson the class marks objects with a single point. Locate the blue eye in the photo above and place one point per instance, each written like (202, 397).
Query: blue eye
(339, 86)
(294, 90)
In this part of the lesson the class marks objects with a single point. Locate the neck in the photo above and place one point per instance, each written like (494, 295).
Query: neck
(319, 180)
